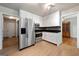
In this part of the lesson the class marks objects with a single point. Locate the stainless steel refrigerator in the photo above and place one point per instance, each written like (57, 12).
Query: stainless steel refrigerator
(26, 33)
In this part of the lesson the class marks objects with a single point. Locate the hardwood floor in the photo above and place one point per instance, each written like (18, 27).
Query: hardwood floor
(8, 42)
(70, 41)
(43, 48)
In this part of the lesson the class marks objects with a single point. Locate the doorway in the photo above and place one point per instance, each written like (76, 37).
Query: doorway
(69, 31)
(66, 29)
(10, 32)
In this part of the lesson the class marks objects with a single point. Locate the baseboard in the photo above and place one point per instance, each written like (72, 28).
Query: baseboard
(13, 36)
(73, 38)
(70, 37)
(9, 37)
(5, 37)
(49, 42)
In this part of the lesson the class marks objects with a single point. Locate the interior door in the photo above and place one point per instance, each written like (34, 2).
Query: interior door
(66, 29)
(5, 28)
(11, 25)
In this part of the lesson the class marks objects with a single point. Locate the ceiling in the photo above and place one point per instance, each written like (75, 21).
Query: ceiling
(38, 8)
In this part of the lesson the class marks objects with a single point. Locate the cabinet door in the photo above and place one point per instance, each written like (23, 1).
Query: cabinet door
(59, 39)
(53, 37)
(44, 35)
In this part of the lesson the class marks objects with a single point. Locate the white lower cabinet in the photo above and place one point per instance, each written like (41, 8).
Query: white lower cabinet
(52, 37)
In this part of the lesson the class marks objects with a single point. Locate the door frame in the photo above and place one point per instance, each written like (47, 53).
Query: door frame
(1, 31)
(3, 28)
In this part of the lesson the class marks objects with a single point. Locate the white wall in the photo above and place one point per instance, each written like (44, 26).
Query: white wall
(52, 19)
(78, 30)
(70, 11)
(73, 27)
(34, 17)
(8, 11)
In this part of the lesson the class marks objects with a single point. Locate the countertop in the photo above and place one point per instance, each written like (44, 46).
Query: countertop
(48, 29)
(53, 31)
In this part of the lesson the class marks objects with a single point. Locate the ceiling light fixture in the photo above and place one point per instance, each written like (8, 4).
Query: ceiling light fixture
(11, 17)
(49, 5)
